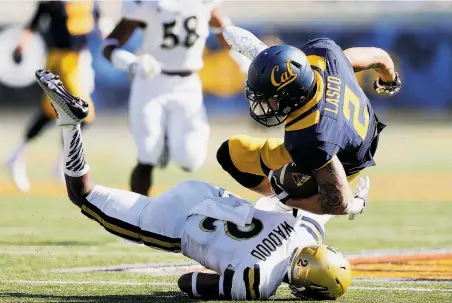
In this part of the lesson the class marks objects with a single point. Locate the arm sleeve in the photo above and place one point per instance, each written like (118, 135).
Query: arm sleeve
(255, 283)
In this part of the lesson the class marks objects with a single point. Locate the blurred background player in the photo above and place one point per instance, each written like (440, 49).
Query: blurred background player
(65, 26)
(166, 107)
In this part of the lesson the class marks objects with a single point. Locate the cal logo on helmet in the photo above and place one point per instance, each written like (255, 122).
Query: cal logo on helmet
(285, 78)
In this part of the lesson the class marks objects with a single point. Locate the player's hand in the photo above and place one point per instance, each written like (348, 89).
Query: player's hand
(388, 88)
(360, 198)
(17, 55)
(146, 66)
(277, 188)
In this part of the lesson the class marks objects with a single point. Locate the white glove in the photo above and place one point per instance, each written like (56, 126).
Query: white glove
(243, 41)
(145, 66)
(359, 201)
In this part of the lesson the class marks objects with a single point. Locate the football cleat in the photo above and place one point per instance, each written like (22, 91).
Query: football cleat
(70, 110)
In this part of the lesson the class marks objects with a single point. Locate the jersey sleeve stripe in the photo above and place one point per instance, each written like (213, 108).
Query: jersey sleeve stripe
(312, 232)
(311, 103)
(304, 122)
(257, 281)
(246, 279)
(316, 224)
(227, 285)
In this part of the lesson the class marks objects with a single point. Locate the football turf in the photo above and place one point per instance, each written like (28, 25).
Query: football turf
(49, 252)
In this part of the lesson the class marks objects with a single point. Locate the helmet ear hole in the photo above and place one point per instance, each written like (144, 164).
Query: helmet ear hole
(298, 65)
(263, 70)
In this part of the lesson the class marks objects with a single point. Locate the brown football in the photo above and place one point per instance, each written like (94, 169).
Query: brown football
(296, 184)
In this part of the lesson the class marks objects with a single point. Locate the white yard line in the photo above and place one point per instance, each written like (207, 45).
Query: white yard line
(49, 282)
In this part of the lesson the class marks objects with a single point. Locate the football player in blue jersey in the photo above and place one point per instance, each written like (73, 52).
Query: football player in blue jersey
(331, 130)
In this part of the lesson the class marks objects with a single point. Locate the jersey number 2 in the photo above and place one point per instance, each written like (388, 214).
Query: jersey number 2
(171, 40)
(232, 230)
(351, 99)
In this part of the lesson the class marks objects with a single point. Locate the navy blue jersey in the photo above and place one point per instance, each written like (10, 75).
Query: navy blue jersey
(338, 120)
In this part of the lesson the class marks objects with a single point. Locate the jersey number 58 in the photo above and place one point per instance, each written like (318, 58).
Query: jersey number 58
(171, 40)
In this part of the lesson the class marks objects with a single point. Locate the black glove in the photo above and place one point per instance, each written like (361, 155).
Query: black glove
(388, 88)
(277, 188)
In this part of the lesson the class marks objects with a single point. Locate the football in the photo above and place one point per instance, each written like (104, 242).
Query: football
(296, 184)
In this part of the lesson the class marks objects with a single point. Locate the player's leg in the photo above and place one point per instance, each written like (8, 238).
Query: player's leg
(77, 76)
(249, 160)
(188, 128)
(116, 210)
(147, 122)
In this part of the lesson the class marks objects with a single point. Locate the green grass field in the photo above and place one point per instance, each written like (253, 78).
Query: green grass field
(49, 252)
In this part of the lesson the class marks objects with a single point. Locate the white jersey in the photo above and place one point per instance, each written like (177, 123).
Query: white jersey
(176, 31)
(259, 255)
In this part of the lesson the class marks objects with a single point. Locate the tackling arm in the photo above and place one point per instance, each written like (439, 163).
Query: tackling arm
(217, 22)
(365, 58)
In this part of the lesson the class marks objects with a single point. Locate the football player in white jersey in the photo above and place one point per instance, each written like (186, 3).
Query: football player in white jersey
(251, 251)
(166, 108)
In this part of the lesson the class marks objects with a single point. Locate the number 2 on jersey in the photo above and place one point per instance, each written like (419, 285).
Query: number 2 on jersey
(171, 40)
(231, 230)
(351, 99)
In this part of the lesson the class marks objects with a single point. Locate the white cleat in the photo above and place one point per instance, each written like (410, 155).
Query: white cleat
(243, 41)
(70, 109)
(18, 173)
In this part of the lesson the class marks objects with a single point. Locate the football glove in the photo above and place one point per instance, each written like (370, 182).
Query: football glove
(145, 66)
(277, 188)
(388, 88)
(360, 198)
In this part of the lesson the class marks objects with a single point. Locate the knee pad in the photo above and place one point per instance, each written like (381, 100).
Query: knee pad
(245, 179)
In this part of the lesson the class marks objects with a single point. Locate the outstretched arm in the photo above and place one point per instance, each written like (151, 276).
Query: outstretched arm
(217, 22)
(377, 59)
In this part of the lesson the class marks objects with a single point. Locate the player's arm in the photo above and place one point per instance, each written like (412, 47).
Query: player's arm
(365, 58)
(216, 23)
(120, 35)
(203, 285)
(334, 192)
(377, 59)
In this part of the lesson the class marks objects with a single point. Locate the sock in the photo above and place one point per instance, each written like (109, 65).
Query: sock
(18, 152)
(74, 155)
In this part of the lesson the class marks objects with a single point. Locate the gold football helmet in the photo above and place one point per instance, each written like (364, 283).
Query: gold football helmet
(319, 272)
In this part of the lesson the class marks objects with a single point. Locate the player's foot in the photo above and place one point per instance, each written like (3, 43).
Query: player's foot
(243, 41)
(70, 109)
(18, 172)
